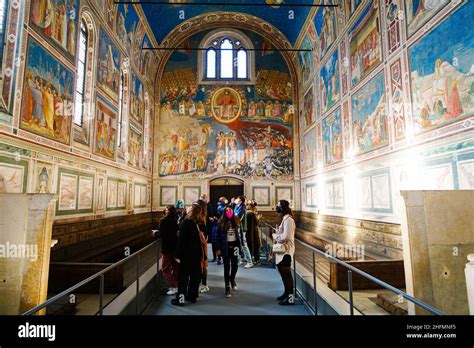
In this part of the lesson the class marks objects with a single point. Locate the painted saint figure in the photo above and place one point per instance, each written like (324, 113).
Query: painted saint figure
(226, 105)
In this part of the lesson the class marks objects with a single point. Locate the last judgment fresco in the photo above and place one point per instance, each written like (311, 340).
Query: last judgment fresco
(217, 129)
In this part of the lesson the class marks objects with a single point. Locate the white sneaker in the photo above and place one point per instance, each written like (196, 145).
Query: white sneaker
(205, 289)
(248, 265)
(172, 291)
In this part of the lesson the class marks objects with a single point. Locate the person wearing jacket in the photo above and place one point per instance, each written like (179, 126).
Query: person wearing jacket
(209, 214)
(239, 208)
(285, 234)
(202, 225)
(229, 246)
(189, 253)
(180, 212)
(168, 232)
(239, 211)
(252, 233)
(221, 205)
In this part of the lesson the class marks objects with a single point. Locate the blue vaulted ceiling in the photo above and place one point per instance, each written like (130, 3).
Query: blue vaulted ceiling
(163, 18)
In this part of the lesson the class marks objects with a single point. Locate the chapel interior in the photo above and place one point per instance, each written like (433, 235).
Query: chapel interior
(360, 113)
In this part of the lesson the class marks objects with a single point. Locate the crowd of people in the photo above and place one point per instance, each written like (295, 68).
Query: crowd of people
(233, 231)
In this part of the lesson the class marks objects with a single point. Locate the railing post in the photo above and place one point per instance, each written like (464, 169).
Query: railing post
(349, 282)
(314, 285)
(158, 283)
(294, 273)
(101, 297)
(137, 301)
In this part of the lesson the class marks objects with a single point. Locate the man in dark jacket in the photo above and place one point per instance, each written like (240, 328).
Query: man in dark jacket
(221, 206)
(250, 227)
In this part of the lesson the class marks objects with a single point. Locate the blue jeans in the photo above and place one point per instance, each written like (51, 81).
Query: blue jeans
(247, 255)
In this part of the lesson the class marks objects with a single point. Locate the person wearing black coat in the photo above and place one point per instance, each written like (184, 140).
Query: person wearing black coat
(250, 226)
(168, 232)
(189, 254)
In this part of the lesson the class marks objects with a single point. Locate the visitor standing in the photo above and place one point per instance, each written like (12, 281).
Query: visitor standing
(189, 254)
(229, 246)
(285, 236)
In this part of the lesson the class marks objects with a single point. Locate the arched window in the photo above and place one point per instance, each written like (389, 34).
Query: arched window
(120, 112)
(3, 20)
(227, 58)
(211, 62)
(226, 55)
(81, 75)
(242, 63)
(83, 101)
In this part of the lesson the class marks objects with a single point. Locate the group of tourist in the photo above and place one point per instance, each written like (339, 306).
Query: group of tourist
(234, 234)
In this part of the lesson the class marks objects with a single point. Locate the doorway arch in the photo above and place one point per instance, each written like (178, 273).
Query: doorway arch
(225, 186)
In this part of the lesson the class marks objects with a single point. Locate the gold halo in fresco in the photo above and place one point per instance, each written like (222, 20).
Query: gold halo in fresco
(226, 105)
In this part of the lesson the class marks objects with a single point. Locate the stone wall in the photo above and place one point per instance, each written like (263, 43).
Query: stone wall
(438, 235)
(380, 240)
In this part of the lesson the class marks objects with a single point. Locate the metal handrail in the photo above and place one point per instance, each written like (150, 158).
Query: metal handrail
(351, 269)
(87, 280)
